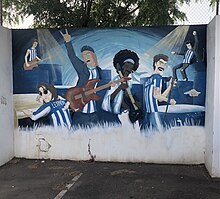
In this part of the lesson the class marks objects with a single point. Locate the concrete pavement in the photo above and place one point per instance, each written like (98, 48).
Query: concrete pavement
(53, 179)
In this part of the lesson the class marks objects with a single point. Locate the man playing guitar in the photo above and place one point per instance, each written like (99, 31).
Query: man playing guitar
(119, 98)
(31, 57)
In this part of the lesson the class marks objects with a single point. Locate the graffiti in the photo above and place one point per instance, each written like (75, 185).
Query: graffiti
(84, 78)
(3, 100)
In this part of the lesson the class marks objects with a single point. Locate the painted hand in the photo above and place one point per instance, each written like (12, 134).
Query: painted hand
(66, 36)
(172, 101)
(194, 32)
(28, 112)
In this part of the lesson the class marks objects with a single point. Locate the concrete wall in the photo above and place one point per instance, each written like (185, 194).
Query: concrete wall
(181, 144)
(212, 155)
(6, 96)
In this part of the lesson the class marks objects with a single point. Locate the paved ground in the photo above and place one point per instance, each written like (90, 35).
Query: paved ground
(37, 179)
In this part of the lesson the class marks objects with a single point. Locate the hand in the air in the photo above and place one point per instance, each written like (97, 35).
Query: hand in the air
(66, 36)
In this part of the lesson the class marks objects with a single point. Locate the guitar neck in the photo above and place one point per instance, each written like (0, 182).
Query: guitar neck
(129, 93)
(43, 59)
(103, 86)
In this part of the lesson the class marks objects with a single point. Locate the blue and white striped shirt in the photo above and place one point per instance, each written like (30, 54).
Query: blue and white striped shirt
(188, 56)
(32, 54)
(57, 114)
(151, 103)
(90, 107)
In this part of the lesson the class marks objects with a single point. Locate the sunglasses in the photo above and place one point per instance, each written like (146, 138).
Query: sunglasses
(44, 92)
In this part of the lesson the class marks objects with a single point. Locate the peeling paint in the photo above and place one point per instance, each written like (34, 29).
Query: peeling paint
(43, 145)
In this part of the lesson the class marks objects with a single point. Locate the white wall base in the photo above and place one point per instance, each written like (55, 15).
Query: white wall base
(179, 145)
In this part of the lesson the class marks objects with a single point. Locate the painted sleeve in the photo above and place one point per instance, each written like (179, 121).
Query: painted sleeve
(195, 47)
(115, 106)
(41, 112)
(158, 79)
(77, 63)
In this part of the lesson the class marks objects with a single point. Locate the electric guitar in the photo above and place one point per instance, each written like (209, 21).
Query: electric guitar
(135, 112)
(33, 63)
(79, 97)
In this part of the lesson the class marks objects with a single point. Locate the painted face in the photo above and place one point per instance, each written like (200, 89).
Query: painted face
(160, 66)
(44, 95)
(89, 58)
(35, 44)
(127, 68)
(189, 46)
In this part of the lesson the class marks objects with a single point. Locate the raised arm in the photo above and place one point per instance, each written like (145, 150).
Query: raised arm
(76, 62)
(195, 47)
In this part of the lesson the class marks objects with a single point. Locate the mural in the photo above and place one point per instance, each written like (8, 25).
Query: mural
(150, 78)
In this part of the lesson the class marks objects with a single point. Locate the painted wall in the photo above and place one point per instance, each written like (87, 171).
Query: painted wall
(6, 95)
(111, 136)
(212, 123)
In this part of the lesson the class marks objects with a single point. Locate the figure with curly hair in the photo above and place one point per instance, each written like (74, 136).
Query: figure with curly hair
(116, 99)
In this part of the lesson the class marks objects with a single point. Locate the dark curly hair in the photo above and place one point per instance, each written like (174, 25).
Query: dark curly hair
(123, 55)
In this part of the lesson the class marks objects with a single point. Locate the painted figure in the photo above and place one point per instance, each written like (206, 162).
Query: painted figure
(31, 57)
(53, 106)
(119, 98)
(152, 94)
(86, 69)
(190, 56)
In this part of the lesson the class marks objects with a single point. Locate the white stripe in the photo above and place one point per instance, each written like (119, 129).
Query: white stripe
(92, 107)
(54, 119)
(151, 96)
(61, 118)
(90, 74)
(85, 109)
(68, 186)
(67, 119)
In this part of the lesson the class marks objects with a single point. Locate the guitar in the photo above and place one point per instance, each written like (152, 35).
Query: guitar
(79, 97)
(33, 63)
(135, 112)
